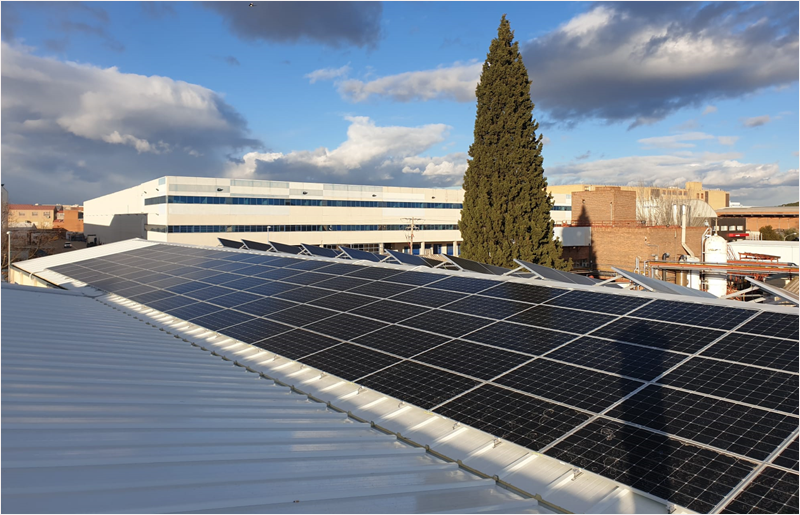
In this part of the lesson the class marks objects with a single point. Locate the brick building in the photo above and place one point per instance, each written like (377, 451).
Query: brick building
(604, 205)
(69, 218)
(717, 199)
(757, 217)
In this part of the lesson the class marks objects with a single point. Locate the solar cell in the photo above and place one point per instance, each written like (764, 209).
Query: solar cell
(221, 278)
(428, 297)
(150, 279)
(602, 302)
(301, 315)
(420, 385)
(487, 306)
(661, 286)
(255, 330)
(171, 281)
(288, 249)
(305, 278)
(134, 290)
(523, 292)
(191, 311)
(586, 389)
(415, 278)
(147, 298)
(789, 457)
(360, 254)
(618, 358)
(255, 245)
(349, 361)
(751, 432)
(246, 282)
(170, 303)
(463, 284)
(718, 317)
(283, 261)
(556, 275)
(230, 243)
(756, 350)
(766, 388)
(472, 359)
(271, 288)
(251, 269)
(319, 251)
(521, 338)
(672, 337)
(208, 293)
(342, 269)
(304, 295)
(345, 326)
(374, 273)
(474, 266)
(407, 259)
(308, 264)
(198, 274)
(297, 343)
(772, 491)
(561, 318)
(342, 301)
(389, 311)
(518, 418)
(341, 283)
(381, 289)
(447, 323)
(690, 476)
(234, 299)
(264, 306)
(773, 324)
(232, 266)
(276, 274)
(221, 319)
(401, 341)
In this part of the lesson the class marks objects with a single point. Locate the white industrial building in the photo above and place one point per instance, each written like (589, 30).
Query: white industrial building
(198, 210)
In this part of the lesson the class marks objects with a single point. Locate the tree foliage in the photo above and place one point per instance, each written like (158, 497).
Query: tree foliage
(506, 212)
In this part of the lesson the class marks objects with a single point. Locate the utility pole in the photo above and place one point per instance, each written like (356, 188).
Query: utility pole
(412, 221)
(8, 273)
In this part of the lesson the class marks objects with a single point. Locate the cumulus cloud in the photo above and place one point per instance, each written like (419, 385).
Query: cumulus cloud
(125, 128)
(640, 62)
(370, 155)
(456, 82)
(327, 73)
(336, 24)
(756, 121)
(748, 182)
(675, 141)
(709, 110)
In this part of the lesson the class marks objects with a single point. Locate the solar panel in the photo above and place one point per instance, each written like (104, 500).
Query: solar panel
(661, 286)
(521, 361)
(689, 475)
(360, 254)
(319, 251)
(776, 291)
(286, 249)
(543, 272)
(771, 491)
(254, 245)
(474, 266)
(408, 259)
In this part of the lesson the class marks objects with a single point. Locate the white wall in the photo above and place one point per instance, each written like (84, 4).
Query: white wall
(787, 251)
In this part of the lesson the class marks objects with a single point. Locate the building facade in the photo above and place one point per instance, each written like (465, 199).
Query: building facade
(199, 210)
(69, 218)
(717, 199)
(28, 215)
(754, 218)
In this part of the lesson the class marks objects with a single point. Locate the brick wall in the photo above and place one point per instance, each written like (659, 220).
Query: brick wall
(603, 205)
(619, 246)
(755, 223)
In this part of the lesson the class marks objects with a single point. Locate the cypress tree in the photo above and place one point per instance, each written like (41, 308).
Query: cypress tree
(506, 212)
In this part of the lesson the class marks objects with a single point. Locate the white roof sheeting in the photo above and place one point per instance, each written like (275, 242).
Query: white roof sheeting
(103, 413)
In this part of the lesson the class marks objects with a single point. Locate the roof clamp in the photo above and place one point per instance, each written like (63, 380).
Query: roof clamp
(576, 472)
(496, 442)
(455, 426)
(671, 508)
(401, 404)
(321, 375)
(360, 388)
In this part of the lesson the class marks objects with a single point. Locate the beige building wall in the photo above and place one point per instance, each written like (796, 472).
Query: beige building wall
(717, 199)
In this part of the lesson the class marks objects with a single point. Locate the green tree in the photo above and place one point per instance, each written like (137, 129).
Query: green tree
(768, 233)
(506, 212)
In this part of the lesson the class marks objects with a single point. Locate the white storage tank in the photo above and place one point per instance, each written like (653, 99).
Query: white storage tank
(716, 251)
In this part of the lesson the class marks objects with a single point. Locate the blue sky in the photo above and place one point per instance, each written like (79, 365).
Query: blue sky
(102, 96)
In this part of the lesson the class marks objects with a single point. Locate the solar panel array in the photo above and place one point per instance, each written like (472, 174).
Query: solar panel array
(693, 403)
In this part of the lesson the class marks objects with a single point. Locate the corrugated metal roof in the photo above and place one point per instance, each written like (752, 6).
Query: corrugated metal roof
(103, 413)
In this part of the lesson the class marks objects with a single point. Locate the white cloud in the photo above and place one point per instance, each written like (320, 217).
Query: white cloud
(371, 154)
(327, 74)
(756, 121)
(675, 141)
(125, 128)
(728, 141)
(455, 82)
(709, 110)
